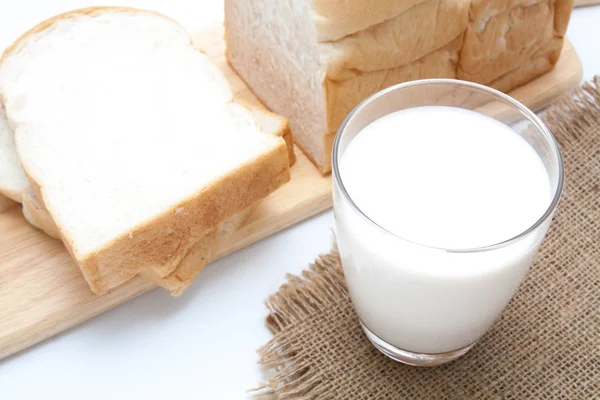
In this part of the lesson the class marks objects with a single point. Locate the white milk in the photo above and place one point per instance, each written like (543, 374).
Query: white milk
(437, 178)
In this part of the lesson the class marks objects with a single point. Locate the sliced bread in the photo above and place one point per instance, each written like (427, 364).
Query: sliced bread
(205, 249)
(144, 133)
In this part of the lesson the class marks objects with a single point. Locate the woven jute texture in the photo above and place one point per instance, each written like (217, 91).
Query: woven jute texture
(546, 345)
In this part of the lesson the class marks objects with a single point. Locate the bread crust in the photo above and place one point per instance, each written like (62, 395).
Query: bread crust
(165, 239)
(343, 96)
(504, 36)
(202, 254)
(426, 27)
(335, 19)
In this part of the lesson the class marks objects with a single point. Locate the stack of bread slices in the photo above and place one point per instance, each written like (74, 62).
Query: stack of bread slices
(122, 140)
(314, 60)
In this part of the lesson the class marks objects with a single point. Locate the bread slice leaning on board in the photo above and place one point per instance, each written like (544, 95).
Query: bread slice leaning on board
(314, 61)
(114, 111)
(202, 253)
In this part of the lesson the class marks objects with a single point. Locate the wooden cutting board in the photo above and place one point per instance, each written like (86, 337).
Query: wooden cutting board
(43, 293)
(583, 3)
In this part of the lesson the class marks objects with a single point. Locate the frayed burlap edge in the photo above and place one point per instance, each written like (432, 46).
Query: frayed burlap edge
(319, 287)
(575, 112)
(322, 285)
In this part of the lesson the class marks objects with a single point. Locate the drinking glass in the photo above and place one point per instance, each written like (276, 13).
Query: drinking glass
(412, 310)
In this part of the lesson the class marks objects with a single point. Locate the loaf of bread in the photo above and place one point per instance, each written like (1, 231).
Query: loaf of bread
(314, 61)
(143, 153)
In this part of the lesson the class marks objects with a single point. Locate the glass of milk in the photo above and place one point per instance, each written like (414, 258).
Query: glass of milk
(443, 192)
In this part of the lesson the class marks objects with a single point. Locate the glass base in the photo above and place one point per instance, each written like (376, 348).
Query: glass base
(410, 358)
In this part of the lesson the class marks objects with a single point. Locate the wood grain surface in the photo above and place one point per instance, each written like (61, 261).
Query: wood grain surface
(42, 291)
(583, 3)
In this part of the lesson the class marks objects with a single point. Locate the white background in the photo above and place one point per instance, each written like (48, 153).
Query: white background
(203, 344)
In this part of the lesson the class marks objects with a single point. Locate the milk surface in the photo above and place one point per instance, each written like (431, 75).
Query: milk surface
(437, 178)
(446, 177)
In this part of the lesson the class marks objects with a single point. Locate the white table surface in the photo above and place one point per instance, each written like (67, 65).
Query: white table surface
(203, 344)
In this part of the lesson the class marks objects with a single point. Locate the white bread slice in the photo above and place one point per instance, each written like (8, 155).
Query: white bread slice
(274, 47)
(205, 249)
(508, 43)
(202, 253)
(144, 133)
(13, 180)
(37, 215)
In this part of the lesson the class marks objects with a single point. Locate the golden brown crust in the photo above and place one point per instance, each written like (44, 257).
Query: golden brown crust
(343, 96)
(194, 262)
(288, 137)
(175, 277)
(527, 71)
(191, 265)
(372, 49)
(494, 43)
(562, 15)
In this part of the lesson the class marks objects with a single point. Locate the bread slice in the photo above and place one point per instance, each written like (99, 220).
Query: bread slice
(508, 43)
(144, 133)
(13, 180)
(205, 249)
(279, 50)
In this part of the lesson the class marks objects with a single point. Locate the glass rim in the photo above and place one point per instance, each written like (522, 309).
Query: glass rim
(530, 115)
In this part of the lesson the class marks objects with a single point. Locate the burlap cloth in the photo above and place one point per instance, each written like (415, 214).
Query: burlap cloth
(546, 345)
